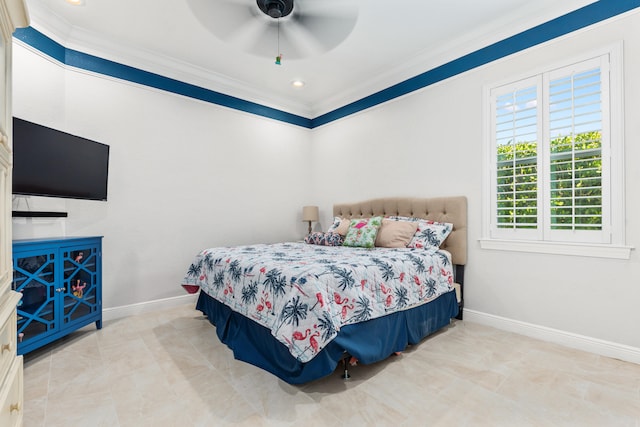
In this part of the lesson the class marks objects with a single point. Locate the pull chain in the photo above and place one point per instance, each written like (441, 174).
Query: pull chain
(279, 57)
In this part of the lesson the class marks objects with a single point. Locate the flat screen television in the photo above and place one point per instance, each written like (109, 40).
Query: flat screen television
(48, 162)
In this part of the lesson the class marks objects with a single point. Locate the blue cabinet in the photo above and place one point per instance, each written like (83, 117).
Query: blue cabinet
(61, 284)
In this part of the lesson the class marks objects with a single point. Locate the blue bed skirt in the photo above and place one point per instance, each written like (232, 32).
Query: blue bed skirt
(368, 342)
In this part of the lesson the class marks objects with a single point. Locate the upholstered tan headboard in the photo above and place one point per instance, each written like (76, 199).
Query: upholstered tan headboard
(441, 209)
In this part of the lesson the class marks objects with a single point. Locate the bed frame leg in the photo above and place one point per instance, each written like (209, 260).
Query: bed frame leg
(345, 374)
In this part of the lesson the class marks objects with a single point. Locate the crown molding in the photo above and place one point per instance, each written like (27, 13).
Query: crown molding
(428, 59)
(450, 60)
(87, 42)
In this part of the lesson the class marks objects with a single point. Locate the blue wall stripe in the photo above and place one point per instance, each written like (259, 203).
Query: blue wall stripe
(41, 42)
(102, 66)
(568, 23)
(560, 26)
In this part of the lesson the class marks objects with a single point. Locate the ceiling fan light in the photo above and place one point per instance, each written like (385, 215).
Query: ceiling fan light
(275, 10)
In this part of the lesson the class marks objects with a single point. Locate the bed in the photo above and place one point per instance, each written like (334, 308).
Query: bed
(298, 310)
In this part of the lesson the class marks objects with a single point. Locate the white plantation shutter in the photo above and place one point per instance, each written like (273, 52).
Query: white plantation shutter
(576, 139)
(516, 133)
(516, 129)
(550, 138)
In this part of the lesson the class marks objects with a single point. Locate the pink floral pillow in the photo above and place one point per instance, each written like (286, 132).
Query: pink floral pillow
(362, 232)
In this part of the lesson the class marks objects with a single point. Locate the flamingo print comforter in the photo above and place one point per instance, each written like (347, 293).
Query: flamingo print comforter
(305, 293)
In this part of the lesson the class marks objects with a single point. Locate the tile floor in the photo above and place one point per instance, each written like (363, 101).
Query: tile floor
(167, 368)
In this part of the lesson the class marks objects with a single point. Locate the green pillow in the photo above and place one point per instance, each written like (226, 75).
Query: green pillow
(362, 232)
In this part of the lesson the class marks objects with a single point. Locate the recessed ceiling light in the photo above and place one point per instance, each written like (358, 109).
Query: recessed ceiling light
(75, 2)
(297, 83)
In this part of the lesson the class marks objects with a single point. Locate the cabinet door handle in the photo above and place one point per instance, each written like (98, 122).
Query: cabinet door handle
(14, 407)
(5, 347)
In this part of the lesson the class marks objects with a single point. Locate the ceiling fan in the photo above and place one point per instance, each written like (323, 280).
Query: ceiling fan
(295, 29)
(276, 8)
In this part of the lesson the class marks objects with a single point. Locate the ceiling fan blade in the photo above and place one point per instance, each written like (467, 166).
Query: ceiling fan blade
(328, 31)
(266, 44)
(330, 22)
(297, 42)
(327, 7)
(245, 33)
(312, 28)
(222, 17)
(262, 40)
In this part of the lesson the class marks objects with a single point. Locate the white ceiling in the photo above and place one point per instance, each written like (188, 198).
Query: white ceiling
(390, 41)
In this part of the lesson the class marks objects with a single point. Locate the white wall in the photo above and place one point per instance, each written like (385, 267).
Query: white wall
(429, 143)
(183, 175)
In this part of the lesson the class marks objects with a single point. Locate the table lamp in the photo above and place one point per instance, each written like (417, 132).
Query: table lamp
(310, 214)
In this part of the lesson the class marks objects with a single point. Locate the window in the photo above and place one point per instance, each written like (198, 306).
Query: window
(554, 158)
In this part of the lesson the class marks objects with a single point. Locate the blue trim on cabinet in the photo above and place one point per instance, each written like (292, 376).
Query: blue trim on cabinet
(49, 310)
(580, 18)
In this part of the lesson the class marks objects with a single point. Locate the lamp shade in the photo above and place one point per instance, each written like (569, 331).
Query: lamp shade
(310, 213)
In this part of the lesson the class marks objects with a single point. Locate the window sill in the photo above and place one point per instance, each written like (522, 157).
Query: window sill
(576, 249)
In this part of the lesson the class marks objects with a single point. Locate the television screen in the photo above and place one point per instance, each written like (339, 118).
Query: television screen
(48, 162)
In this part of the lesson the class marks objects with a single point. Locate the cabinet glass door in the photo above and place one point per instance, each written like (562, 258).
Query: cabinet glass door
(34, 276)
(80, 283)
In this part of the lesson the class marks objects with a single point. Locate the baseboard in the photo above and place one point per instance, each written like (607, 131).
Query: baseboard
(580, 342)
(146, 307)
